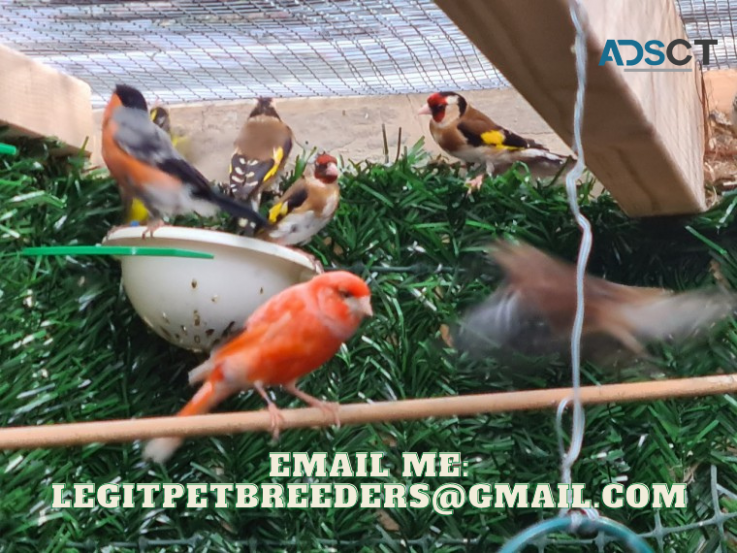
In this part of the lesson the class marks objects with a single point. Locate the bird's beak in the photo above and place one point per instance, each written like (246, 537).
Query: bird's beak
(425, 110)
(364, 305)
(332, 170)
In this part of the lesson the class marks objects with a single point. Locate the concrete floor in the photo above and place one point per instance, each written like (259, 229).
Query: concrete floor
(348, 127)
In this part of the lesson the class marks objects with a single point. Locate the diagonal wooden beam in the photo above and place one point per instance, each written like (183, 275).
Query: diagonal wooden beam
(643, 134)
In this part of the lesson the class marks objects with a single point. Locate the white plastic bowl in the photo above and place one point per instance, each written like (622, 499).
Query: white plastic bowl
(195, 303)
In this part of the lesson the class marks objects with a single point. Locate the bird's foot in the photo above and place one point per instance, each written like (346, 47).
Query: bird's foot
(316, 264)
(330, 408)
(277, 420)
(327, 407)
(152, 227)
(475, 184)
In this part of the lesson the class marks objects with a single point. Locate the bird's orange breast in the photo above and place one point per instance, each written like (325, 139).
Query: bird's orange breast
(129, 171)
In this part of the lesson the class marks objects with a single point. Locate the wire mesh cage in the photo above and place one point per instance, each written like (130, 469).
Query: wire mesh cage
(185, 51)
(213, 50)
(207, 50)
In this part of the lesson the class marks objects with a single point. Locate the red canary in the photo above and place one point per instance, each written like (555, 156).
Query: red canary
(533, 311)
(142, 159)
(288, 337)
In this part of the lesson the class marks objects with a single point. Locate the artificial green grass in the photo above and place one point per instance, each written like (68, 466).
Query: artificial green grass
(72, 349)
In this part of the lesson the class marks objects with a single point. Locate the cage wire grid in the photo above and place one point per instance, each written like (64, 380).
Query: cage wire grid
(203, 50)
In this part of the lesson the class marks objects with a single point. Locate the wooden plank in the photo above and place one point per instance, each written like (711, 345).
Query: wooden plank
(643, 134)
(721, 87)
(37, 100)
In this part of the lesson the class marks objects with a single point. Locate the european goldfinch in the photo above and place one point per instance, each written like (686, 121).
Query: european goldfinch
(261, 151)
(307, 206)
(143, 161)
(533, 311)
(469, 135)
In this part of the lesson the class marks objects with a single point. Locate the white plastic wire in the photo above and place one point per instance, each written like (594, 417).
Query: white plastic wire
(569, 458)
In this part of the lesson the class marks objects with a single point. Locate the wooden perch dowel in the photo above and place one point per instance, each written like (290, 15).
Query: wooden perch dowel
(60, 435)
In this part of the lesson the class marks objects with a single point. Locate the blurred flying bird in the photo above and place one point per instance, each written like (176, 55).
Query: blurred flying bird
(533, 310)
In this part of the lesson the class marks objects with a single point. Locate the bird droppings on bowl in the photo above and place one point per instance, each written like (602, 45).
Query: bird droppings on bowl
(228, 329)
(183, 304)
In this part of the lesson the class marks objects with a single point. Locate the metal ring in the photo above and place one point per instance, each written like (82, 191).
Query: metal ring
(614, 529)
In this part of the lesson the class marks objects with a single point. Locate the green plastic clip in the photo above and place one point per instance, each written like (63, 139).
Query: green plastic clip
(7, 150)
(115, 250)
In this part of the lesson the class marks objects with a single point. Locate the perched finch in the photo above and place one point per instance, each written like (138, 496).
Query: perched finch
(307, 206)
(161, 118)
(142, 159)
(138, 215)
(533, 311)
(288, 337)
(469, 135)
(261, 151)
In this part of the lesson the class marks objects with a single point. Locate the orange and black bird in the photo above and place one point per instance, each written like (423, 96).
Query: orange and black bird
(469, 135)
(261, 151)
(533, 311)
(145, 164)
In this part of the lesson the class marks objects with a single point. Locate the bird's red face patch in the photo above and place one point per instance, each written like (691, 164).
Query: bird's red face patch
(326, 168)
(324, 159)
(437, 103)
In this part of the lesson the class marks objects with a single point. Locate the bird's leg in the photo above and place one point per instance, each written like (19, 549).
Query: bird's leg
(153, 225)
(114, 229)
(276, 417)
(476, 182)
(313, 260)
(329, 408)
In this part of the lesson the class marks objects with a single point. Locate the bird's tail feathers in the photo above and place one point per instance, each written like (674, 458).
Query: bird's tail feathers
(540, 155)
(544, 164)
(678, 316)
(210, 394)
(201, 372)
(239, 210)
